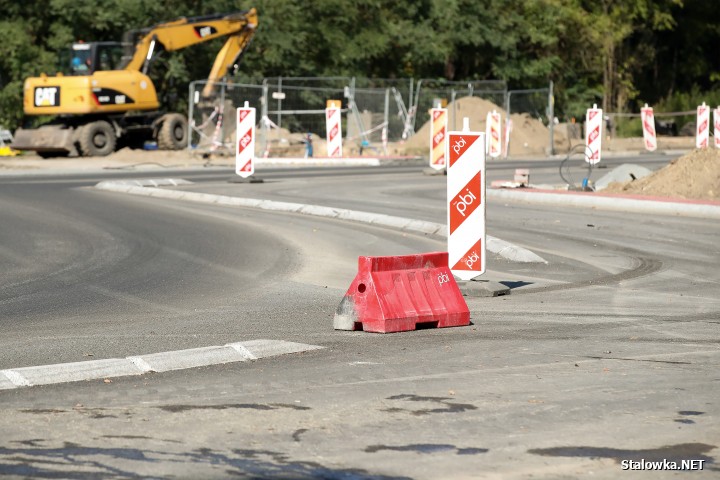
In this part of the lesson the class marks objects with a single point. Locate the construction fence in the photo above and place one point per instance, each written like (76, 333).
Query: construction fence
(379, 116)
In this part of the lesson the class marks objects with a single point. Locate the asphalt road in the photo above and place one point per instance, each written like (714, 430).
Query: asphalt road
(609, 352)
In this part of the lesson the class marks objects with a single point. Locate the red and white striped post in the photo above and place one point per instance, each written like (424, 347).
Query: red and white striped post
(648, 123)
(245, 141)
(493, 134)
(333, 126)
(593, 135)
(716, 130)
(702, 135)
(438, 138)
(466, 202)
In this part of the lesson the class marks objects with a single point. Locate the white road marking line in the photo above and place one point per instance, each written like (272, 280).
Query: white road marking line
(141, 364)
(153, 362)
(242, 350)
(16, 378)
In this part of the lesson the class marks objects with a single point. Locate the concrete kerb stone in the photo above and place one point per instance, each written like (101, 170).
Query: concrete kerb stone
(617, 204)
(504, 249)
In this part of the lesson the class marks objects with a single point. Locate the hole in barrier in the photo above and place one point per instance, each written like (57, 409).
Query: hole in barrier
(426, 325)
(361, 288)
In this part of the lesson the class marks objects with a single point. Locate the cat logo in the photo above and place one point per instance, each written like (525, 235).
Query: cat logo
(47, 96)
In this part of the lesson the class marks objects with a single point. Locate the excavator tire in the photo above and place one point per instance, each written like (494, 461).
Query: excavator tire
(97, 139)
(173, 132)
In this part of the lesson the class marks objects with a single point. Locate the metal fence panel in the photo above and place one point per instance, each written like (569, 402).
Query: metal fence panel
(211, 120)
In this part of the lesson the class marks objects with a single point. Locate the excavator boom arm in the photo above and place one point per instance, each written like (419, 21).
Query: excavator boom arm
(184, 32)
(226, 58)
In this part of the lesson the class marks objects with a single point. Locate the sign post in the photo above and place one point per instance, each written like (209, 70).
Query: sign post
(438, 138)
(493, 134)
(593, 135)
(333, 126)
(702, 137)
(245, 141)
(466, 202)
(648, 123)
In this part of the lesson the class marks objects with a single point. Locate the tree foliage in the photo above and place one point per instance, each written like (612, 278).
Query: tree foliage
(618, 53)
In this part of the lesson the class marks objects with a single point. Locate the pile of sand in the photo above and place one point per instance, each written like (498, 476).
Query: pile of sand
(692, 176)
(528, 136)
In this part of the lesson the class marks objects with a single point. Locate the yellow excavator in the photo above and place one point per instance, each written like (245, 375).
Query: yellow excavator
(108, 95)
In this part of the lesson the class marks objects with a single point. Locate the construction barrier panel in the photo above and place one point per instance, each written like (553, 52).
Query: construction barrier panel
(648, 123)
(716, 130)
(245, 141)
(702, 136)
(466, 203)
(438, 137)
(493, 134)
(333, 125)
(401, 293)
(593, 135)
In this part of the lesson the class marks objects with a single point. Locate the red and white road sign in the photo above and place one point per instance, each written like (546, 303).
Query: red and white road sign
(648, 123)
(438, 137)
(466, 203)
(245, 141)
(716, 130)
(493, 134)
(333, 125)
(593, 134)
(702, 135)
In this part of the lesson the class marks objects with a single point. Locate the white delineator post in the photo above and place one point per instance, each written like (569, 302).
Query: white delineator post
(466, 202)
(333, 128)
(716, 130)
(648, 123)
(702, 136)
(438, 138)
(593, 134)
(245, 141)
(507, 136)
(493, 134)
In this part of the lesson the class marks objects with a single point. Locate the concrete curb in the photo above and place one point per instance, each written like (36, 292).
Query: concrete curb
(495, 245)
(319, 162)
(617, 204)
(154, 362)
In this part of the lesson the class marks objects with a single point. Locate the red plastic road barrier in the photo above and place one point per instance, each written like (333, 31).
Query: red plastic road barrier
(397, 294)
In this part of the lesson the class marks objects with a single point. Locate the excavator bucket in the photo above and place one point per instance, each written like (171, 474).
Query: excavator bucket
(46, 139)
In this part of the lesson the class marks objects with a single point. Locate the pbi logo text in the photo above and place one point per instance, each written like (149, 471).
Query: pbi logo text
(472, 259)
(443, 278)
(458, 145)
(464, 201)
(47, 96)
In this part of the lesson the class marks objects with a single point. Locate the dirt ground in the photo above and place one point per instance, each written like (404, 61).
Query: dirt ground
(695, 175)
(125, 158)
(528, 137)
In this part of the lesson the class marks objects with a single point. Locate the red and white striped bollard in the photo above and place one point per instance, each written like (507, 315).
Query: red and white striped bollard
(466, 202)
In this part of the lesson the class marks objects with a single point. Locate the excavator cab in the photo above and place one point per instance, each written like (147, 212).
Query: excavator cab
(88, 58)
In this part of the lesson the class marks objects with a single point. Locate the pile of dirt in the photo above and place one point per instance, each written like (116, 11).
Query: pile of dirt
(529, 135)
(692, 176)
